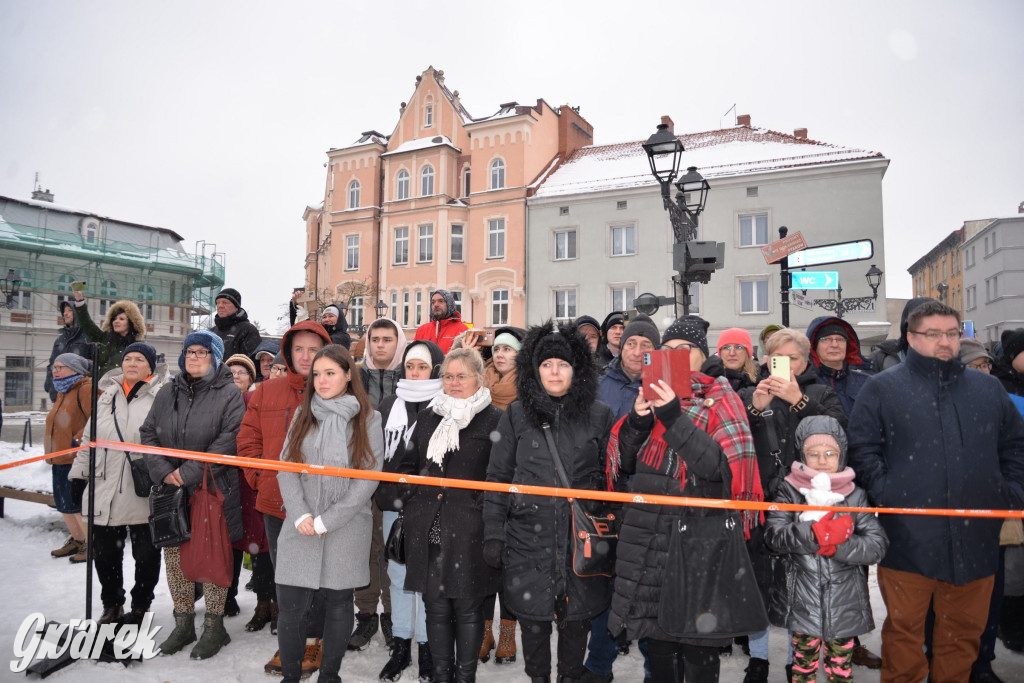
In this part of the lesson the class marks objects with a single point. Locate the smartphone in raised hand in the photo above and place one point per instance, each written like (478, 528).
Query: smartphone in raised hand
(78, 286)
(779, 367)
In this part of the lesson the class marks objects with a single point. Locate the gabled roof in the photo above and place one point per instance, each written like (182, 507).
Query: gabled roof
(717, 153)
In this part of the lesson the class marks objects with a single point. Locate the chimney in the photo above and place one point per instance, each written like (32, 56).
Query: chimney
(800, 133)
(743, 120)
(667, 120)
(42, 195)
(1020, 208)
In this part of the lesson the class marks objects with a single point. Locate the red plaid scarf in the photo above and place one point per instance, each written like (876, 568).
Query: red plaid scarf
(717, 410)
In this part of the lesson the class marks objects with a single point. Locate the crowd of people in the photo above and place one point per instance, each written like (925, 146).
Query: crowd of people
(920, 424)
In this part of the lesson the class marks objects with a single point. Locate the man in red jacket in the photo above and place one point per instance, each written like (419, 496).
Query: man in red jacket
(262, 435)
(445, 322)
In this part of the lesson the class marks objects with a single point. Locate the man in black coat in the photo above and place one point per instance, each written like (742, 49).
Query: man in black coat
(72, 339)
(930, 434)
(232, 324)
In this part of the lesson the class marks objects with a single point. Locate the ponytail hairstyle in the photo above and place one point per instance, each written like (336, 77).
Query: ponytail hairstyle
(359, 446)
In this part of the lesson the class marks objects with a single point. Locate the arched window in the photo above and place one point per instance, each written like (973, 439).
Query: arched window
(427, 181)
(403, 184)
(108, 292)
(353, 194)
(497, 174)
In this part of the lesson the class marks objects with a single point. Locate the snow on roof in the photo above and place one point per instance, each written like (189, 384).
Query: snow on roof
(717, 153)
(51, 206)
(422, 143)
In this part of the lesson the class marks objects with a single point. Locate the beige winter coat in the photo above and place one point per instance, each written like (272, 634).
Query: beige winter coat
(116, 503)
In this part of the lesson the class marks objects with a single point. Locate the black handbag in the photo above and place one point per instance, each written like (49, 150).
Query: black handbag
(169, 522)
(394, 549)
(140, 471)
(709, 588)
(594, 535)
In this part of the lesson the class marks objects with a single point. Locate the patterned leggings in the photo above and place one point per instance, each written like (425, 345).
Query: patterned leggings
(183, 591)
(807, 651)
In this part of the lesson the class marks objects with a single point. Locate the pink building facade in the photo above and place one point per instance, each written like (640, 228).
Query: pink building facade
(439, 203)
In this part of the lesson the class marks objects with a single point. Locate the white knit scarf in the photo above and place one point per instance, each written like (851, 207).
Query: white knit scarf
(455, 414)
(398, 430)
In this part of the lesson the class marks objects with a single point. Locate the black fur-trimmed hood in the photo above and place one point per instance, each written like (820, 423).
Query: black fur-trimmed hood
(538, 405)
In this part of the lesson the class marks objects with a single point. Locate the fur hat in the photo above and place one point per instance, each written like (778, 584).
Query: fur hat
(208, 340)
(231, 295)
(74, 362)
(691, 328)
(641, 325)
(737, 335)
(244, 361)
(136, 323)
(146, 350)
(551, 341)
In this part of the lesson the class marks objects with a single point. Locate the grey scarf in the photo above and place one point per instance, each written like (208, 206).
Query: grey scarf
(328, 445)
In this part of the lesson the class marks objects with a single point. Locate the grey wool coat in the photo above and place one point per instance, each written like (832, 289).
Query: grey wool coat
(115, 501)
(340, 558)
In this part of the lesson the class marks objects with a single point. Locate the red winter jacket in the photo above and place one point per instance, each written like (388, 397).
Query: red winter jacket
(442, 332)
(267, 419)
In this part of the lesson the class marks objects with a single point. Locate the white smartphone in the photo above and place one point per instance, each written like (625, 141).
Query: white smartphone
(779, 366)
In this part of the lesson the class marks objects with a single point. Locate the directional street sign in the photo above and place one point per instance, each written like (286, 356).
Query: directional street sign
(776, 251)
(798, 299)
(833, 253)
(823, 279)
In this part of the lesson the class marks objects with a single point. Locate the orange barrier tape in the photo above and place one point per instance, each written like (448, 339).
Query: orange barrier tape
(37, 458)
(526, 489)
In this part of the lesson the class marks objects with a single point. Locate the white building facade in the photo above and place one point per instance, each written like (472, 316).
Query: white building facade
(598, 234)
(993, 263)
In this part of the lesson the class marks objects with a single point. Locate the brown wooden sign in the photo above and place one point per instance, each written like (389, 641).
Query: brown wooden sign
(776, 251)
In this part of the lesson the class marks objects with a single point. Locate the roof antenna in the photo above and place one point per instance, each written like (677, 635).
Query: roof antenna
(730, 109)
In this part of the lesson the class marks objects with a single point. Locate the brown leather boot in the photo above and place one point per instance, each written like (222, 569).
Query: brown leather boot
(274, 665)
(260, 617)
(865, 657)
(70, 547)
(312, 657)
(82, 555)
(506, 652)
(488, 644)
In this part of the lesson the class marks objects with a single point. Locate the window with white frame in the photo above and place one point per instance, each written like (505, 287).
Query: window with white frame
(457, 243)
(622, 297)
(427, 181)
(499, 307)
(496, 238)
(497, 174)
(754, 296)
(394, 305)
(754, 230)
(565, 304)
(355, 311)
(428, 116)
(992, 288)
(352, 252)
(18, 380)
(22, 300)
(972, 298)
(623, 240)
(146, 295)
(405, 309)
(419, 307)
(401, 246)
(565, 245)
(457, 298)
(108, 294)
(91, 231)
(465, 182)
(425, 252)
(402, 185)
(353, 194)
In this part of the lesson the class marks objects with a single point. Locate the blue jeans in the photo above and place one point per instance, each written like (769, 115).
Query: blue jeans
(408, 616)
(602, 648)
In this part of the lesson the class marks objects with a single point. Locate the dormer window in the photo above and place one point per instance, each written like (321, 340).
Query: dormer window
(90, 230)
(428, 116)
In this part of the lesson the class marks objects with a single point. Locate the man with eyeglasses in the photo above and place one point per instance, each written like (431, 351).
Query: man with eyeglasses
(619, 385)
(835, 352)
(931, 434)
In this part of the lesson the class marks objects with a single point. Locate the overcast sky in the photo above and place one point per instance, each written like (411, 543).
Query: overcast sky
(213, 118)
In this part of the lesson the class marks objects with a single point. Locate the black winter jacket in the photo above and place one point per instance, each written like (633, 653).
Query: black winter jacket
(642, 552)
(72, 339)
(818, 595)
(784, 418)
(239, 335)
(931, 434)
(464, 574)
(380, 384)
(203, 416)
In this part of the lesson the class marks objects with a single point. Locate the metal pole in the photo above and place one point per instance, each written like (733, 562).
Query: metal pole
(784, 266)
(92, 481)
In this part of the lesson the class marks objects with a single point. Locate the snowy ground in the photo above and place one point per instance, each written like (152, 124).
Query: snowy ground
(32, 581)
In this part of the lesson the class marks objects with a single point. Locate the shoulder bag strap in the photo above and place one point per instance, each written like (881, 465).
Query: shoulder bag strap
(559, 469)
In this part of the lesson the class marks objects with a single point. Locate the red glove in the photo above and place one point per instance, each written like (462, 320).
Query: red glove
(827, 550)
(832, 530)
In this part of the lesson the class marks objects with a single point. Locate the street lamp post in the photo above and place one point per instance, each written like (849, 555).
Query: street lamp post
(9, 288)
(380, 308)
(692, 259)
(839, 305)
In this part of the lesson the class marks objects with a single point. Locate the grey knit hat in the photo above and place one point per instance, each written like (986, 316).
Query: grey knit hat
(971, 350)
(75, 363)
(641, 326)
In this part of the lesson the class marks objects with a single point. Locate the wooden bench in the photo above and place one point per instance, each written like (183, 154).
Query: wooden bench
(22, 494)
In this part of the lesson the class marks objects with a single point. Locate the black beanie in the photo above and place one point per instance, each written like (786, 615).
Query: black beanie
(642, 326)
(691, 328)
(231, 295)
(553, 345)
(146, 350)
(830, 329)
